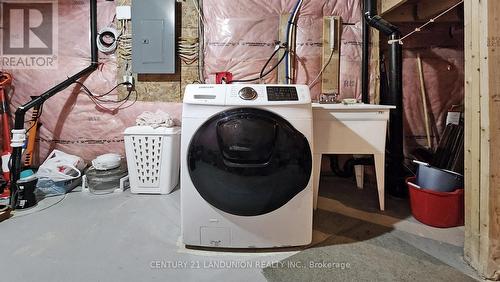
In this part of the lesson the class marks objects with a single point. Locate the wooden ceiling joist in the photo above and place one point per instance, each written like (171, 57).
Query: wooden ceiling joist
(427, 9)
(419, 10)
(389, 5)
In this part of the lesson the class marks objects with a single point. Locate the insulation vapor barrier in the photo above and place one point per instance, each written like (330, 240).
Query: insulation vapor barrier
(441, 50)
(70, 121)
(240, 36)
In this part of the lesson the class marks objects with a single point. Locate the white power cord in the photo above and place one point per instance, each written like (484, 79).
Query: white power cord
(432, 20)
(322, 69)
(103, 45)
(125, 40)
(187, 49)
(200, 14)
(125, 45)
(290, 40)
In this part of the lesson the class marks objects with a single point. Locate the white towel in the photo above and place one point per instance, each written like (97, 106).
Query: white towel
(155, 120)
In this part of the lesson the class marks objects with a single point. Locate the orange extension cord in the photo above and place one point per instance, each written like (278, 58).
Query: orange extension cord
(5, 82)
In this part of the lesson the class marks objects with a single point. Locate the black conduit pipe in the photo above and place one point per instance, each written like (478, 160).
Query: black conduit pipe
(348, 169)
(395, 176)
(15, 170)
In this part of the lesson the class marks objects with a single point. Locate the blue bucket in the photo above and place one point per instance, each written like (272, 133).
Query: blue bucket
(437, 179)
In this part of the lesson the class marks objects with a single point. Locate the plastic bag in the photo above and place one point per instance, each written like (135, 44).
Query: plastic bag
(59, 173)
(48, 188)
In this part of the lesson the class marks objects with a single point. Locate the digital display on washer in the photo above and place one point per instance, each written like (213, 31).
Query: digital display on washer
(201, 96)
(282, 93)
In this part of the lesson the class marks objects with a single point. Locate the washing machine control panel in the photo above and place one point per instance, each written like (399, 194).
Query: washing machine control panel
(247, 94)
(282, 93)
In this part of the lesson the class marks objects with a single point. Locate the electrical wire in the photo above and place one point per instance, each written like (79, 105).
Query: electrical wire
(201, 42)
(432, 20)
(37, 211)
(290, 31)
(197, 7)
(98, 97)
(102, 44)
(98, 101)
(39, 114)
(5, 79)
(322, 68)
(119, 107)
(124, 42)
(263, 74)
(187, 49)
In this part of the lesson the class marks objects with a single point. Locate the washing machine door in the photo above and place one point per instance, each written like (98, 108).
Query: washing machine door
(249, 162)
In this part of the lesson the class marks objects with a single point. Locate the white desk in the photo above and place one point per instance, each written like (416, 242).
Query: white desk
(350, 129)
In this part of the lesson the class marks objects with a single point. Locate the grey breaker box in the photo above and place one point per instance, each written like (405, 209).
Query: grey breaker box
(153, 36)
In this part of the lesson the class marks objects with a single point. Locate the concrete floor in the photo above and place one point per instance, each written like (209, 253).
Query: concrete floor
(125, 237)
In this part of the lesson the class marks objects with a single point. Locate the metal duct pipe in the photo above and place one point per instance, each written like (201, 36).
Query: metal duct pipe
(395, 179)
(22, 110)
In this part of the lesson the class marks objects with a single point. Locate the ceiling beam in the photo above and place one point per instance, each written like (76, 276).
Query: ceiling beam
(426, 9)
(407, 13)
(389, 5)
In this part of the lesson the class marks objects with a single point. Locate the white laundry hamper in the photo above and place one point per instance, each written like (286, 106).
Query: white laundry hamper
(153, 158)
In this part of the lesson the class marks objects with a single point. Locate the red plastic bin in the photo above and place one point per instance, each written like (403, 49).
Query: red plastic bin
(438, 209)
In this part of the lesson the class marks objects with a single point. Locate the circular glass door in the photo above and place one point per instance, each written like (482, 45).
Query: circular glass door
(249, 162)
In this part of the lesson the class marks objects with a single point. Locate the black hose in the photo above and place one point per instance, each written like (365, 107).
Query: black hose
(348, 169)
(22, 110)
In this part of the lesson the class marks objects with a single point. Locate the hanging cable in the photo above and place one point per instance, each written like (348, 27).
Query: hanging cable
(197, 7)
(39, 114)
(124, 43)
(322, 68)
(418, 29)
(107, 40)
(264, 73)
(99, 96)
(201, 42)
(290, 31)
(98, 101)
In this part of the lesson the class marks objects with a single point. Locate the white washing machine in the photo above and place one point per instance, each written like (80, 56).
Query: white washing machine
(246, 164)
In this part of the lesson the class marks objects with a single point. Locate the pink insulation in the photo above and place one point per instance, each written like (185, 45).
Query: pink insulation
(71, 121)
(442, 53)
(240, 36)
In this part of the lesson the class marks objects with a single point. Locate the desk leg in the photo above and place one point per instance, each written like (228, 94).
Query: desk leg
(360, 173)
(380, 170)
(316, 171)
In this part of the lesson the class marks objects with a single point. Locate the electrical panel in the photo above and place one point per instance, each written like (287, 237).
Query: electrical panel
(153, 36)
